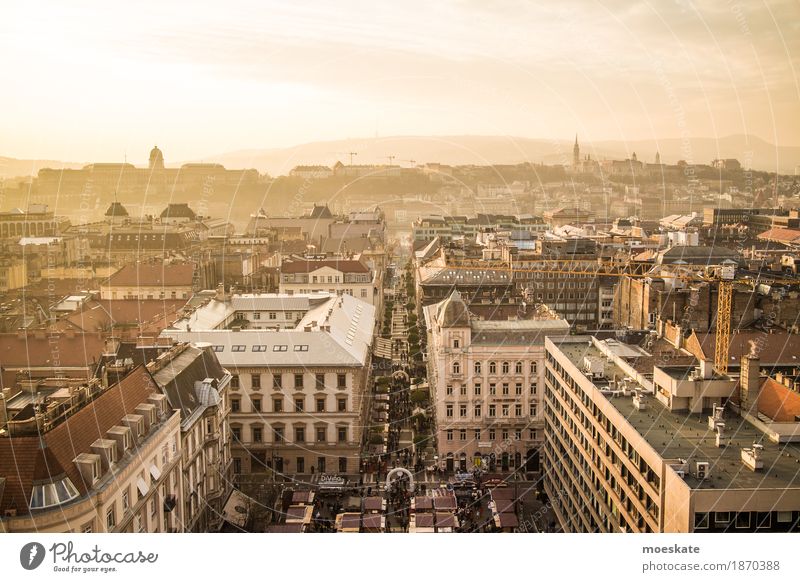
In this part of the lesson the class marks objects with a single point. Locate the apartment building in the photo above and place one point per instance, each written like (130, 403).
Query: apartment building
(298, 391)
(350, 276)
(152, 280)
(486, 380)
(80, 457)
(633, 447)
(195, 383)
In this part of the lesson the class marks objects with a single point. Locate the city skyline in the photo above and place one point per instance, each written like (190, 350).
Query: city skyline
(208, 81)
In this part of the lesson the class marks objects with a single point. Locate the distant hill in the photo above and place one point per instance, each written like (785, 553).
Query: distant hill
(752, 151)
(484, 150)
(12, 167)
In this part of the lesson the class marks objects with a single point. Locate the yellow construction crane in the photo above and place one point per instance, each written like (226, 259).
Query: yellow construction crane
(723, 277)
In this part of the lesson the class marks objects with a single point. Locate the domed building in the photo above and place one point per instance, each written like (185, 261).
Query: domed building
(116, 213)
(156, 159)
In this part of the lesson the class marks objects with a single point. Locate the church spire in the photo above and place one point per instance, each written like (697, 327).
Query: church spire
(576, 152)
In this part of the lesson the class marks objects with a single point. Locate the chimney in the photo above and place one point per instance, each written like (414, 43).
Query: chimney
(750, 383)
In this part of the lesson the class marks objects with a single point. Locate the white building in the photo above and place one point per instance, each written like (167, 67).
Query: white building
(349, 276)
(299, 386)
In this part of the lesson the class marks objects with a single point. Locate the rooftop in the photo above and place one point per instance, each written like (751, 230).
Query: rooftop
(679, 435)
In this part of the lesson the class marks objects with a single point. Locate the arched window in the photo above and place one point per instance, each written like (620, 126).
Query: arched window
(533, 367)
(506, 368)
(477, 367)
(492, 368)
(518, 368)
(456, 368)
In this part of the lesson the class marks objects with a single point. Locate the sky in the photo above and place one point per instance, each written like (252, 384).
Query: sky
(103, 81)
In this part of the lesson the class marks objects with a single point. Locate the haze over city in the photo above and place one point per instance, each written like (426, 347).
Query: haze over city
(209, 79)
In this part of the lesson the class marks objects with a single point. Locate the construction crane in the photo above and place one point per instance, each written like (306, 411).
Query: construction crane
(722, 276)
(390, 158)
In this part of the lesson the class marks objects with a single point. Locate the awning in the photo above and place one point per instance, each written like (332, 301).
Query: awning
(142, 486)
(155, 473)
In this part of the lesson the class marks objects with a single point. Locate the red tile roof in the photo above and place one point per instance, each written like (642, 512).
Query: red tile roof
(153, 275)
(773, 348)
(53, 350)
(778, 402)
(22, 460)
(781, 235)
(345, 266)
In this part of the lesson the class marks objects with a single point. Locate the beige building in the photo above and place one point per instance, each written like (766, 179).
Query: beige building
(486, 380)
(298, 392)
(152, 280)
(197, 385)
(332, 275)
(84, 458)
(13, 274)
(630, 447)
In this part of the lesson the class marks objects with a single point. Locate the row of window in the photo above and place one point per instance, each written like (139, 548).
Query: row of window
(505, 388)
(505, 367)
(281, 381)
(492, 434)
(277, 405)
(279, 435)
(505, 410)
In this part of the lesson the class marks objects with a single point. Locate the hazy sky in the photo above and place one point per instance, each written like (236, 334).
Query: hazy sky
(86, 80)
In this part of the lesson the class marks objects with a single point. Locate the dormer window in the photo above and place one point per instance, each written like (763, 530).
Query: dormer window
(52, 493)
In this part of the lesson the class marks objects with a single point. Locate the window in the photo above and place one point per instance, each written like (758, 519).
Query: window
(257, 435)
(235, 381)
(492, 434)
(236, 433)
(449, 411)
(449, 390)
(256, 315)
(462, 411)
(256, 404)
(462, 434)
(255, 381)
(518, 389)
(492, 411)
(532, 434)
(477, 367)
(280, 436)
(518, 435)
(505, 388)
(505, 409)
(259, 348)
(298, 381)
(320, 405)
(301, 348)
(299, 404)
(111, 519)
(320, 380)
(321, 464)
(701, 521)
(533, 387)
(343, 464)
(477, 410)
(126, 501)
(236, 405)
(341, 380)
(456, 368)
(273, 315)
(301, 464)
(462, 390)
(533, 367)
(282, 348)
(456, 343)
(477, 389)
(341, 434)
(532, 410)
(321, 434)
(492, 368)
(341, 404)
(504, 435)
(277, 383)
(518, 410)
(277, 404)
(518, 368)
(492, 389)
(477, 434)
(219, 348)
(450, 435)
(238, 348)
(299, 434)
(505, 368)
